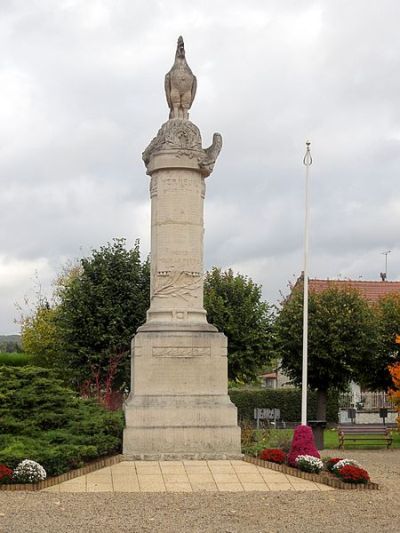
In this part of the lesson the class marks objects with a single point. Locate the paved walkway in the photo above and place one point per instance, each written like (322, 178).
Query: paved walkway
(185, 476)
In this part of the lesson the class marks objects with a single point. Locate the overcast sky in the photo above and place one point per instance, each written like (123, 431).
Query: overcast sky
(81, 96)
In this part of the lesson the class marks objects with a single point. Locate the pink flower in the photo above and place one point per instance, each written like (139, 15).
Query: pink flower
(302, 444)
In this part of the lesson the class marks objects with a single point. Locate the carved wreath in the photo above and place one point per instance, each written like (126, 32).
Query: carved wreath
(176, 285)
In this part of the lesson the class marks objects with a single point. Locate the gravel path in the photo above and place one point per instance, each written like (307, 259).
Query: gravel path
(306, 512)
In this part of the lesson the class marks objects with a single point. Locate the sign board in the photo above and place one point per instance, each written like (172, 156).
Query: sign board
(267, 414)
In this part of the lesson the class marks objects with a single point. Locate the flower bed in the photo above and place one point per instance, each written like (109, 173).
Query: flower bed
(13, 485)
(349, 476)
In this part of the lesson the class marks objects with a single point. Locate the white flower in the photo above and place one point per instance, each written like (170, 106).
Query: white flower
(29, 472)
(344, 462)
(309, 463)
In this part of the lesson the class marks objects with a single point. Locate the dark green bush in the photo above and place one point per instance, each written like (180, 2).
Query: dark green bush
(287, 400)
(42, 420)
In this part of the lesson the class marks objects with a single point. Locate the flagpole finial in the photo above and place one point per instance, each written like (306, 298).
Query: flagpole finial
(307, 161)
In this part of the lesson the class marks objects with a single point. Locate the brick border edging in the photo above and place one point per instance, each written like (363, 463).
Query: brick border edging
(317, 478)
(49, 482)
(115, 459)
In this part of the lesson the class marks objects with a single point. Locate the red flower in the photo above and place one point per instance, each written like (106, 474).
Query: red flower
(330, 463)
(273, 455)
(5, 473)
(353, 474)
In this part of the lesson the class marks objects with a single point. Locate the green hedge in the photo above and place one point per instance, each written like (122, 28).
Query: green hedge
(16, 359)
(287, 400)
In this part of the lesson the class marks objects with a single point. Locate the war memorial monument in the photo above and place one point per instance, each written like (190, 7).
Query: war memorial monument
(179, 406)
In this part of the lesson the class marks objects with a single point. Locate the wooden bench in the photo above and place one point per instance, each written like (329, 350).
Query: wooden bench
(365, 434)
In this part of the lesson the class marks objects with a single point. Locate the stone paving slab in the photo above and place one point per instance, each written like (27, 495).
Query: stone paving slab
(185, 476)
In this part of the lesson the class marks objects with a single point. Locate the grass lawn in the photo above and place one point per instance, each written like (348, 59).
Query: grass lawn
(281, 438)
(331, 440)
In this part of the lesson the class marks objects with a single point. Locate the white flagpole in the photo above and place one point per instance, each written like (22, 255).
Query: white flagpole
(307, 161)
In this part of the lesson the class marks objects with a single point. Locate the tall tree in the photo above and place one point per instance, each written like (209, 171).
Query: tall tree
(234, 305)
(100, 310)
(377, 375)
(343, 336)
(394, 390)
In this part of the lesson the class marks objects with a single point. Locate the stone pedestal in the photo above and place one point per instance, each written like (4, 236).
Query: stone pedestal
(179, 406)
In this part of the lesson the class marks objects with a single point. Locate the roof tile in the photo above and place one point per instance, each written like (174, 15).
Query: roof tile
(370, 290)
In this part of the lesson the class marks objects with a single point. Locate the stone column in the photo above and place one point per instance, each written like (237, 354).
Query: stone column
(178, 406)
(177, 190)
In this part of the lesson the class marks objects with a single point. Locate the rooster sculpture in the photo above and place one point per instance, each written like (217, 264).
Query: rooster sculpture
(180, 85)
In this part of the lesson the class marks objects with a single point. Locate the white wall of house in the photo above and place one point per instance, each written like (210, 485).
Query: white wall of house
(367, 417)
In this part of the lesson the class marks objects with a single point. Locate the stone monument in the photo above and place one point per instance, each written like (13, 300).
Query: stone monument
(179, 406)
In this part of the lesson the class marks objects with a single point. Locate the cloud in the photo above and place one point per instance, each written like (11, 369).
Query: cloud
(81, 96)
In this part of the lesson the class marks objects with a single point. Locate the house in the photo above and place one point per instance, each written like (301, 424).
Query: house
(275, 379)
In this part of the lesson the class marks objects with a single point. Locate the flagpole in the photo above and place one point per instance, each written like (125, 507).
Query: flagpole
(307, 161)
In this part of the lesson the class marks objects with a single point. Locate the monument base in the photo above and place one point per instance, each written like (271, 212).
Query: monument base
(179, 407)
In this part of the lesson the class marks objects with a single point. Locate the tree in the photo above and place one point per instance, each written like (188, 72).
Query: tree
(377, 375)
(100, 310)
(343, 335)
(9, 345)
(98, 304)
(394, 391)
(39, 334)
(234, 305)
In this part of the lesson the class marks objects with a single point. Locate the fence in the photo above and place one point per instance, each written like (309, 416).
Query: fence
(365, 401)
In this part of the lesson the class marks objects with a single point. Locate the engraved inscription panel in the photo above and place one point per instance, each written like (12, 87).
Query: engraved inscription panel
(180, 248)
(180, 200)
(181, 351)
(171, 183)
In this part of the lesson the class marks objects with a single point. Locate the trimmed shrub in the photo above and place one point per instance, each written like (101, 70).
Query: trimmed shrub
(302, 444)
(42, 420)
(273, 455)
(287, 400)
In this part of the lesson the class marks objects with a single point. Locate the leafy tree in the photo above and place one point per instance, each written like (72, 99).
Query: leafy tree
(234, 305)
(99, 303)
(376, 375)
(100, 309)
(343, 335)
(39, 334)
(394, 391)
